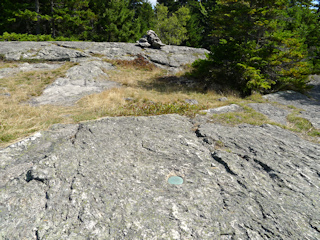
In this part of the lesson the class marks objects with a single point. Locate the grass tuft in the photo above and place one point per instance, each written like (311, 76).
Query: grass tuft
(247, 115)
(301, 125)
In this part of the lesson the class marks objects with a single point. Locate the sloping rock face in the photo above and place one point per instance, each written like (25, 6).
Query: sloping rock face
(26, 67)
(108, 179)
(86, 78)
(90, 75)
(310, 107)
(166, 57)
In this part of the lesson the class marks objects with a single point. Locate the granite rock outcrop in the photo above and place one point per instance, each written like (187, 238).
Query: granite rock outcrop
(108, 179)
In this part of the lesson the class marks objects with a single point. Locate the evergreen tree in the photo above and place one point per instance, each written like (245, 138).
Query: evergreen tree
(303, 18)
(171, 29)
(72, 18)
(197, 25)
(254, 50)
(7, 16)
(144, 16)
(115, 21)
(172, 5)
(23, 16)
(56, 17)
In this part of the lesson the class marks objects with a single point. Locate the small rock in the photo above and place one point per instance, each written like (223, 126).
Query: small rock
(224, 109)
(192, 101)
(129, 99)
(5, 94)
(223, 99)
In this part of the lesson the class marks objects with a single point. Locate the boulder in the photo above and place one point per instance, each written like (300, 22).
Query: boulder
(224, 109)
(26, 67)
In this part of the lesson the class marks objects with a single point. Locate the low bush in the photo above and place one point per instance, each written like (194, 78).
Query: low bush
(29, 37)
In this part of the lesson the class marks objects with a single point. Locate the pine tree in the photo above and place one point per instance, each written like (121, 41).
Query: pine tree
(72, 18)
(7, 15)
(172, 5)
(115, 21)
(197, 25)
(144, 19)
(172, 29)
(254, 50)
(303, 18)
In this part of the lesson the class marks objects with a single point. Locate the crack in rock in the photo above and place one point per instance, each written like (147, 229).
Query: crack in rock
(99, 180)
(216, 157)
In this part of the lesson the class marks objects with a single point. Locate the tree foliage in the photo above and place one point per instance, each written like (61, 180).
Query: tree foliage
(99, 20)
(254, 47)
(172, 28)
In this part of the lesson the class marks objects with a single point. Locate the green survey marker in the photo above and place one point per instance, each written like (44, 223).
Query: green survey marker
(175, 180)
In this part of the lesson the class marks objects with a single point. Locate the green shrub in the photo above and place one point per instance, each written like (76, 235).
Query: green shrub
(29, 37)
(254, 49)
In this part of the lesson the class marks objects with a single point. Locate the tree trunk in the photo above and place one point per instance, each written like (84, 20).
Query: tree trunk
(52, 20)
(38, 17)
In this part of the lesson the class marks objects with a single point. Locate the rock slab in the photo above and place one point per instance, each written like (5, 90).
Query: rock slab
(89, 77)
(166, 57)
(276, 114)
(86, 78)
(310, 108)
(108, 179)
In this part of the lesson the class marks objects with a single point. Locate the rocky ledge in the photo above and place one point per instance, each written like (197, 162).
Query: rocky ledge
(168, 56)
(90, 75)
(108, 179)
(112, 178)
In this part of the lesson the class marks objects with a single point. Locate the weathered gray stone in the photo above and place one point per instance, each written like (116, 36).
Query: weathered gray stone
(151, 39)
(311, 107)
(54, 53)
(223, 99)
(26, 67)
(269, 173)
(83, 79)
(13, 51)
(315, 84)
(274, 113)
(108, 179)
(143, 42)
(192, 101)
(224, 109)
(166, 57)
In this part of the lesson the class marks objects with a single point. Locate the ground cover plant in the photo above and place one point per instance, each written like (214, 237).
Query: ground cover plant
(146, 90)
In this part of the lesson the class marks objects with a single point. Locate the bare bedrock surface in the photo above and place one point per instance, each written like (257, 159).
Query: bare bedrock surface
(107, 179)
(167, 56)
(90, 76)
(83, 79)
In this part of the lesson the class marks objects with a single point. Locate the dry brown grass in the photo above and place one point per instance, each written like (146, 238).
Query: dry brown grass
(145, 91)
(18, 119)
(7, 64)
